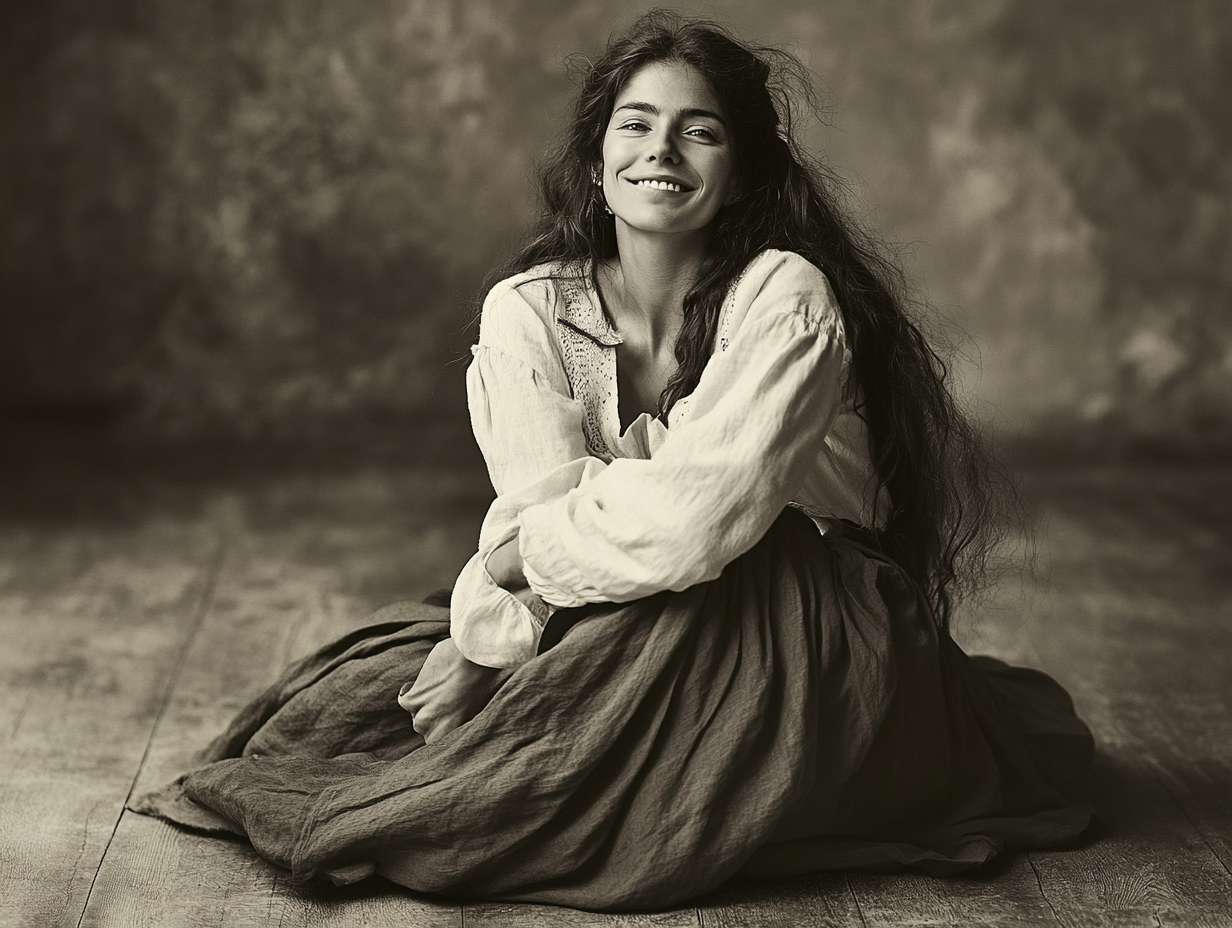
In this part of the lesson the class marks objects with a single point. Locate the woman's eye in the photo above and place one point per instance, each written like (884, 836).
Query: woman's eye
(701, 132)
(634, 124)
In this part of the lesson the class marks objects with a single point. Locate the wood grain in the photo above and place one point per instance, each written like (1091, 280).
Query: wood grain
(307, 561)
(130, 641)
(1140, 634)
(523, 915)
(157, 876)
(813, 901)
(1148, 867)
(94, 621)
(1007, 896)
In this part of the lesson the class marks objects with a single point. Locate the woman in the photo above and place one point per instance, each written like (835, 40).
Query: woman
(704, 633)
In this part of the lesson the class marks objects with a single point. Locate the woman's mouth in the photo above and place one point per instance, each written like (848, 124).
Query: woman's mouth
(662, 185)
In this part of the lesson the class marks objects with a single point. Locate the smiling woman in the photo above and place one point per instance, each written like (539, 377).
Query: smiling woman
(705, 630)
(668, 165)
(668, 168)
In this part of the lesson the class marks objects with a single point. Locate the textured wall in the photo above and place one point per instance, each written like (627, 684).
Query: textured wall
(265, 217)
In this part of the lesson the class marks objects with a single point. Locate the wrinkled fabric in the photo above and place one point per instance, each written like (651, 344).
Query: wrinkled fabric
(802, 711)
(491, 625)
(605, 514)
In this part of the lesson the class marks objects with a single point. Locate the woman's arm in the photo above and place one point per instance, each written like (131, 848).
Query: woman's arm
(522, 410)
(529, 429)
(759, 415)
(592, 533)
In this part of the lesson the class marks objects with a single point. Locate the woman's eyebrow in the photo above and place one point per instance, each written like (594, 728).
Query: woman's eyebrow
(653, 110)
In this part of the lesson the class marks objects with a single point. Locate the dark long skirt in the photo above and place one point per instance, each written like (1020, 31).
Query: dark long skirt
(800, 712)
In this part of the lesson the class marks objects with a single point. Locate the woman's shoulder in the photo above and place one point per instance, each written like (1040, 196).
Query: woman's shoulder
(531, 304)
(777, 281)
(523, 307)
(778, 272)
(532, 292)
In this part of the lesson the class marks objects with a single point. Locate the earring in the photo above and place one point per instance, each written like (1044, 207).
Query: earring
(597, 180)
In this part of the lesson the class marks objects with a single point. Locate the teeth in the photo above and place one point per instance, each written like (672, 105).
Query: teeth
(659, 185)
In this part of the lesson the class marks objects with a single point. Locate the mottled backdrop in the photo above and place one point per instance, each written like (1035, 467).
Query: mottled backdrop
(271, 217)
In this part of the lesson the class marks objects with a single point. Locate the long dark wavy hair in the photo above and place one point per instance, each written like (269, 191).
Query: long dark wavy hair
(943, 520)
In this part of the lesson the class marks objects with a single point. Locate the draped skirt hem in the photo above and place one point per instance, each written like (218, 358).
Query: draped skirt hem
(801, 712)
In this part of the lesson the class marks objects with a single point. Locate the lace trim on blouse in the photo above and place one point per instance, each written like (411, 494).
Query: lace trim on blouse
(722, 337)
(588, 346)
(588, 342)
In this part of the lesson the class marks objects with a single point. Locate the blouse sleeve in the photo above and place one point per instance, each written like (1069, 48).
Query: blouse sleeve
(760, 412)
(521, 406)
(529, 429)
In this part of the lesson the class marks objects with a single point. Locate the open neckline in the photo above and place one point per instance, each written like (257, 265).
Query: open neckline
(621, 431)
(616, 398)
(722, 339)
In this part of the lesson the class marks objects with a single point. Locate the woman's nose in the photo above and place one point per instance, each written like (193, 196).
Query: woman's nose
(662, 148)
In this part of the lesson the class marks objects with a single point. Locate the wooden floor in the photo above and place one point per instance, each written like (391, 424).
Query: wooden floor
(138, 613)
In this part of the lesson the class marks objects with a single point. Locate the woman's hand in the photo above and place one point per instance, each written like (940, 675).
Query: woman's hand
(504, 565)
(449, 691)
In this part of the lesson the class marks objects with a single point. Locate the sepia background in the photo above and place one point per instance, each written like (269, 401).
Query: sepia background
(241, 245)
(266, 220)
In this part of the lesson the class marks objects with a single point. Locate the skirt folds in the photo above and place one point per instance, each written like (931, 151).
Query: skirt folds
(800, 712)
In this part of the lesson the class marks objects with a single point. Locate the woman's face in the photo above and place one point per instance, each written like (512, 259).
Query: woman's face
(668, 161)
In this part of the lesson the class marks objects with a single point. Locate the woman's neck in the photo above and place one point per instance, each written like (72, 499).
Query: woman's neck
(649, 280)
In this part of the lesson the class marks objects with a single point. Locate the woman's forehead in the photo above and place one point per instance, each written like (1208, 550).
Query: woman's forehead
(668, 85)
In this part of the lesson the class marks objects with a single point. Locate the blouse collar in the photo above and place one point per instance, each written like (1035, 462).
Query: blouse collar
(584, 313)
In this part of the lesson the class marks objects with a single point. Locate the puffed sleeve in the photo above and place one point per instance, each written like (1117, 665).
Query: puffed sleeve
(760, 412)
(529, 429)
(522, 412)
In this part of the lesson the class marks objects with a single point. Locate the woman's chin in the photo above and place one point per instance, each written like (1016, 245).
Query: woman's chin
(664, 222)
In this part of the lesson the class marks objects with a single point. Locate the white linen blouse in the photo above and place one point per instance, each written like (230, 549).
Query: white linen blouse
(605, 515)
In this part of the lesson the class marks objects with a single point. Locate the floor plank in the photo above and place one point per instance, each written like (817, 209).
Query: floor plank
(1140, 629)
(812, 901)
(1131, 610)
(156, 876)
(94, 623)
(307, 560)
(1008, 896)
(1149, 866)
(522, 915)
